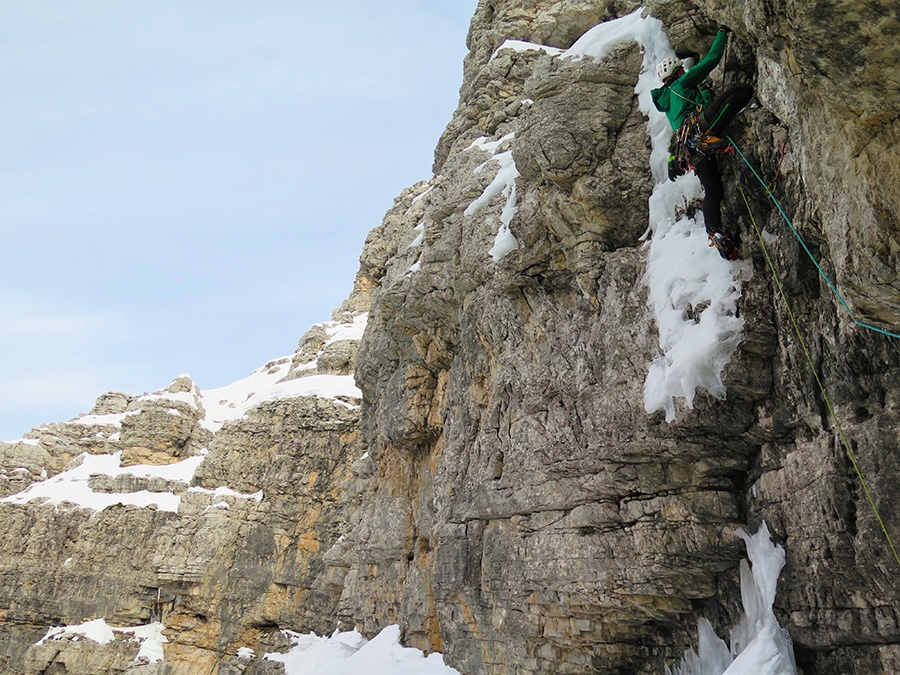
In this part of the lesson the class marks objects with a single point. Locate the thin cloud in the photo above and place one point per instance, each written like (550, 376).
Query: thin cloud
(21, 319)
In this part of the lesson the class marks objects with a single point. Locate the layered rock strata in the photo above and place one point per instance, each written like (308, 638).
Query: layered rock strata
(154, 509)
(552, 524)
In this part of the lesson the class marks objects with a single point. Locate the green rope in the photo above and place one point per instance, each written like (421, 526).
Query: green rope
(719, 116)
(809, 358)
(808, 252)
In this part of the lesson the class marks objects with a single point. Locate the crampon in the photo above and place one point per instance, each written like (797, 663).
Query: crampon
(724, 245)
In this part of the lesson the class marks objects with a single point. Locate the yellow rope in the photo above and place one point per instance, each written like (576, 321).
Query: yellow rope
(809, 358)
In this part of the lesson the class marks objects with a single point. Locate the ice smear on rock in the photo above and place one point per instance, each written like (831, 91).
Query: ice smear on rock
(759, 646)
(504, 183)
(349, 653)
(693, 292)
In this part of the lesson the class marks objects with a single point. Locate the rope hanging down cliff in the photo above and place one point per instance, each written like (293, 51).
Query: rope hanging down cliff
(840, 429)
(806, 248)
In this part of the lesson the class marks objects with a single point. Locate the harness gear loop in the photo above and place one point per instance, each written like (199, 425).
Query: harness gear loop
(689, 147)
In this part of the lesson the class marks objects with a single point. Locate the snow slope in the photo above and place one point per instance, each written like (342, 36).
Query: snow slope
(220, 405)
(268, 384)
(71, 486)
(349, 653)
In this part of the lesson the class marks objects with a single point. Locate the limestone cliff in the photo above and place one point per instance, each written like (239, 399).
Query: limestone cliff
(499, 489)
(206, 512)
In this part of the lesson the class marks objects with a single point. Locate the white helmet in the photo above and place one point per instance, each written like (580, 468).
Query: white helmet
(667, 66)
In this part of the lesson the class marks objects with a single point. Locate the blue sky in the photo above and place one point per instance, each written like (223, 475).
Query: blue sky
(186, 186)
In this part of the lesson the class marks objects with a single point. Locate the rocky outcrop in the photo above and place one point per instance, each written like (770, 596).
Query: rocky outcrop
(499, 490)
(216, 529)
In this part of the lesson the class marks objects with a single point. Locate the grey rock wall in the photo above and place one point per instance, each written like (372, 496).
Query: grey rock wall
(549, 523)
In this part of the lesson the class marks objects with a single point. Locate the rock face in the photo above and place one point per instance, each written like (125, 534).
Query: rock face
(553, 524)
(501, 492)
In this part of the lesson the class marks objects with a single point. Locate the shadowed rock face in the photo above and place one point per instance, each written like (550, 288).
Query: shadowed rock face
(501, 493)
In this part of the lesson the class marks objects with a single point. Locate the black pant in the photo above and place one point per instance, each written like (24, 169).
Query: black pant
(708, 172)
(724, 107)
(714, 118)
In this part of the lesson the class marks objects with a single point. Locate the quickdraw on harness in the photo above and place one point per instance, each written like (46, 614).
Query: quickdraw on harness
(690, 148)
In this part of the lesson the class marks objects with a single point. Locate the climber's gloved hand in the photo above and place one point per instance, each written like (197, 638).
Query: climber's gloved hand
(688, 54)
(676, 168)
(724, 28)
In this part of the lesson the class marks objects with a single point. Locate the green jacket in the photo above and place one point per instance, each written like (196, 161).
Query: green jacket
(680, 98)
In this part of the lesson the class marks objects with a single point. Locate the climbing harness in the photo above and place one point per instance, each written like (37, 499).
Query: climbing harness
(840, 429)
(806, 248)
(693, 145)
(687, 138)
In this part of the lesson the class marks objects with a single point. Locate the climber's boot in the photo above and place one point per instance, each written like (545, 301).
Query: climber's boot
(711, 142)
(724, 245)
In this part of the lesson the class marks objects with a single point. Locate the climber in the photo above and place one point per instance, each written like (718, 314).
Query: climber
(699, 122)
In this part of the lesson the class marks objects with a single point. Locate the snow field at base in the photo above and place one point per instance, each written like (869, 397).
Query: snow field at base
(349, 653)
(150, 636)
